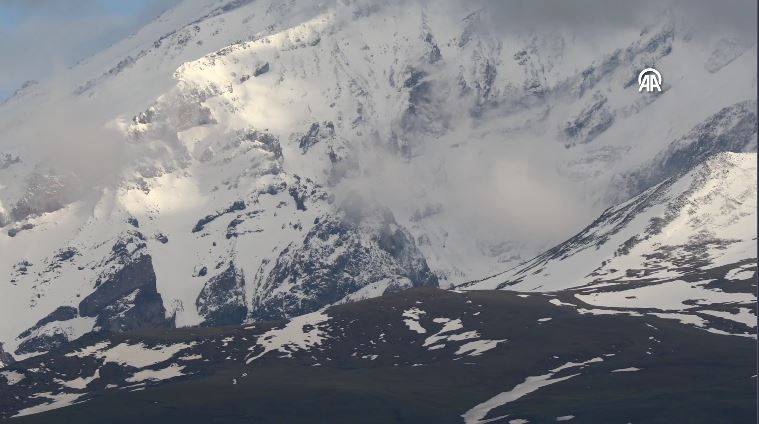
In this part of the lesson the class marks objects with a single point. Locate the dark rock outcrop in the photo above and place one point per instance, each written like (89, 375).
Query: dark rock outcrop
(13, 232)
(42, 343)
(62, 313)
(316, 133)
(592, 121)
(35, 340)
(127, 299)
(234, 207)
(222, 299)
(732, 129)
(262, 69)
(340, 255)
(5, 357)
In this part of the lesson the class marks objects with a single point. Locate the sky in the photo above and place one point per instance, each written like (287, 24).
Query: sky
(38, 37)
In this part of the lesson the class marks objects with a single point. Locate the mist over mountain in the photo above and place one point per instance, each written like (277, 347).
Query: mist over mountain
(238, 163)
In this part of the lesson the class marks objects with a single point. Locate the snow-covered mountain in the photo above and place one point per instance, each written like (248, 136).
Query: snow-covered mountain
(237, 161)
(685, 247)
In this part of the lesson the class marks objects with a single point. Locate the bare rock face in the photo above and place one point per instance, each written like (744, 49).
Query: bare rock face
(127, 299)
(124, 298)
(592, 121)
(358, 248)
(62, 313)
(39, 341)
(732, 129)
(316, 133)
(5, 357)
(222, 299)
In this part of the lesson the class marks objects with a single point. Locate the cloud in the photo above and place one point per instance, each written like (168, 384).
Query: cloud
(597, 17)
(516, 191)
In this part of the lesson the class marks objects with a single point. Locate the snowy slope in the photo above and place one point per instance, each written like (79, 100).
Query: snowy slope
(239, 160)
(687, 244)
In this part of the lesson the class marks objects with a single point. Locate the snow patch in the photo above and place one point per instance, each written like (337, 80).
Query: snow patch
(673, 295)
(300, 333)
(12, 377)
(171, 371)
(136, 355)
(412, 320)
(558, 302)
(478, 347)
(81, 383)
(477, 414)
(630, 369)
(55, 401)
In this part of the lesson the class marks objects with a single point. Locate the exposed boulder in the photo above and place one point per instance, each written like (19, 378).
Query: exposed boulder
(261, 69)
